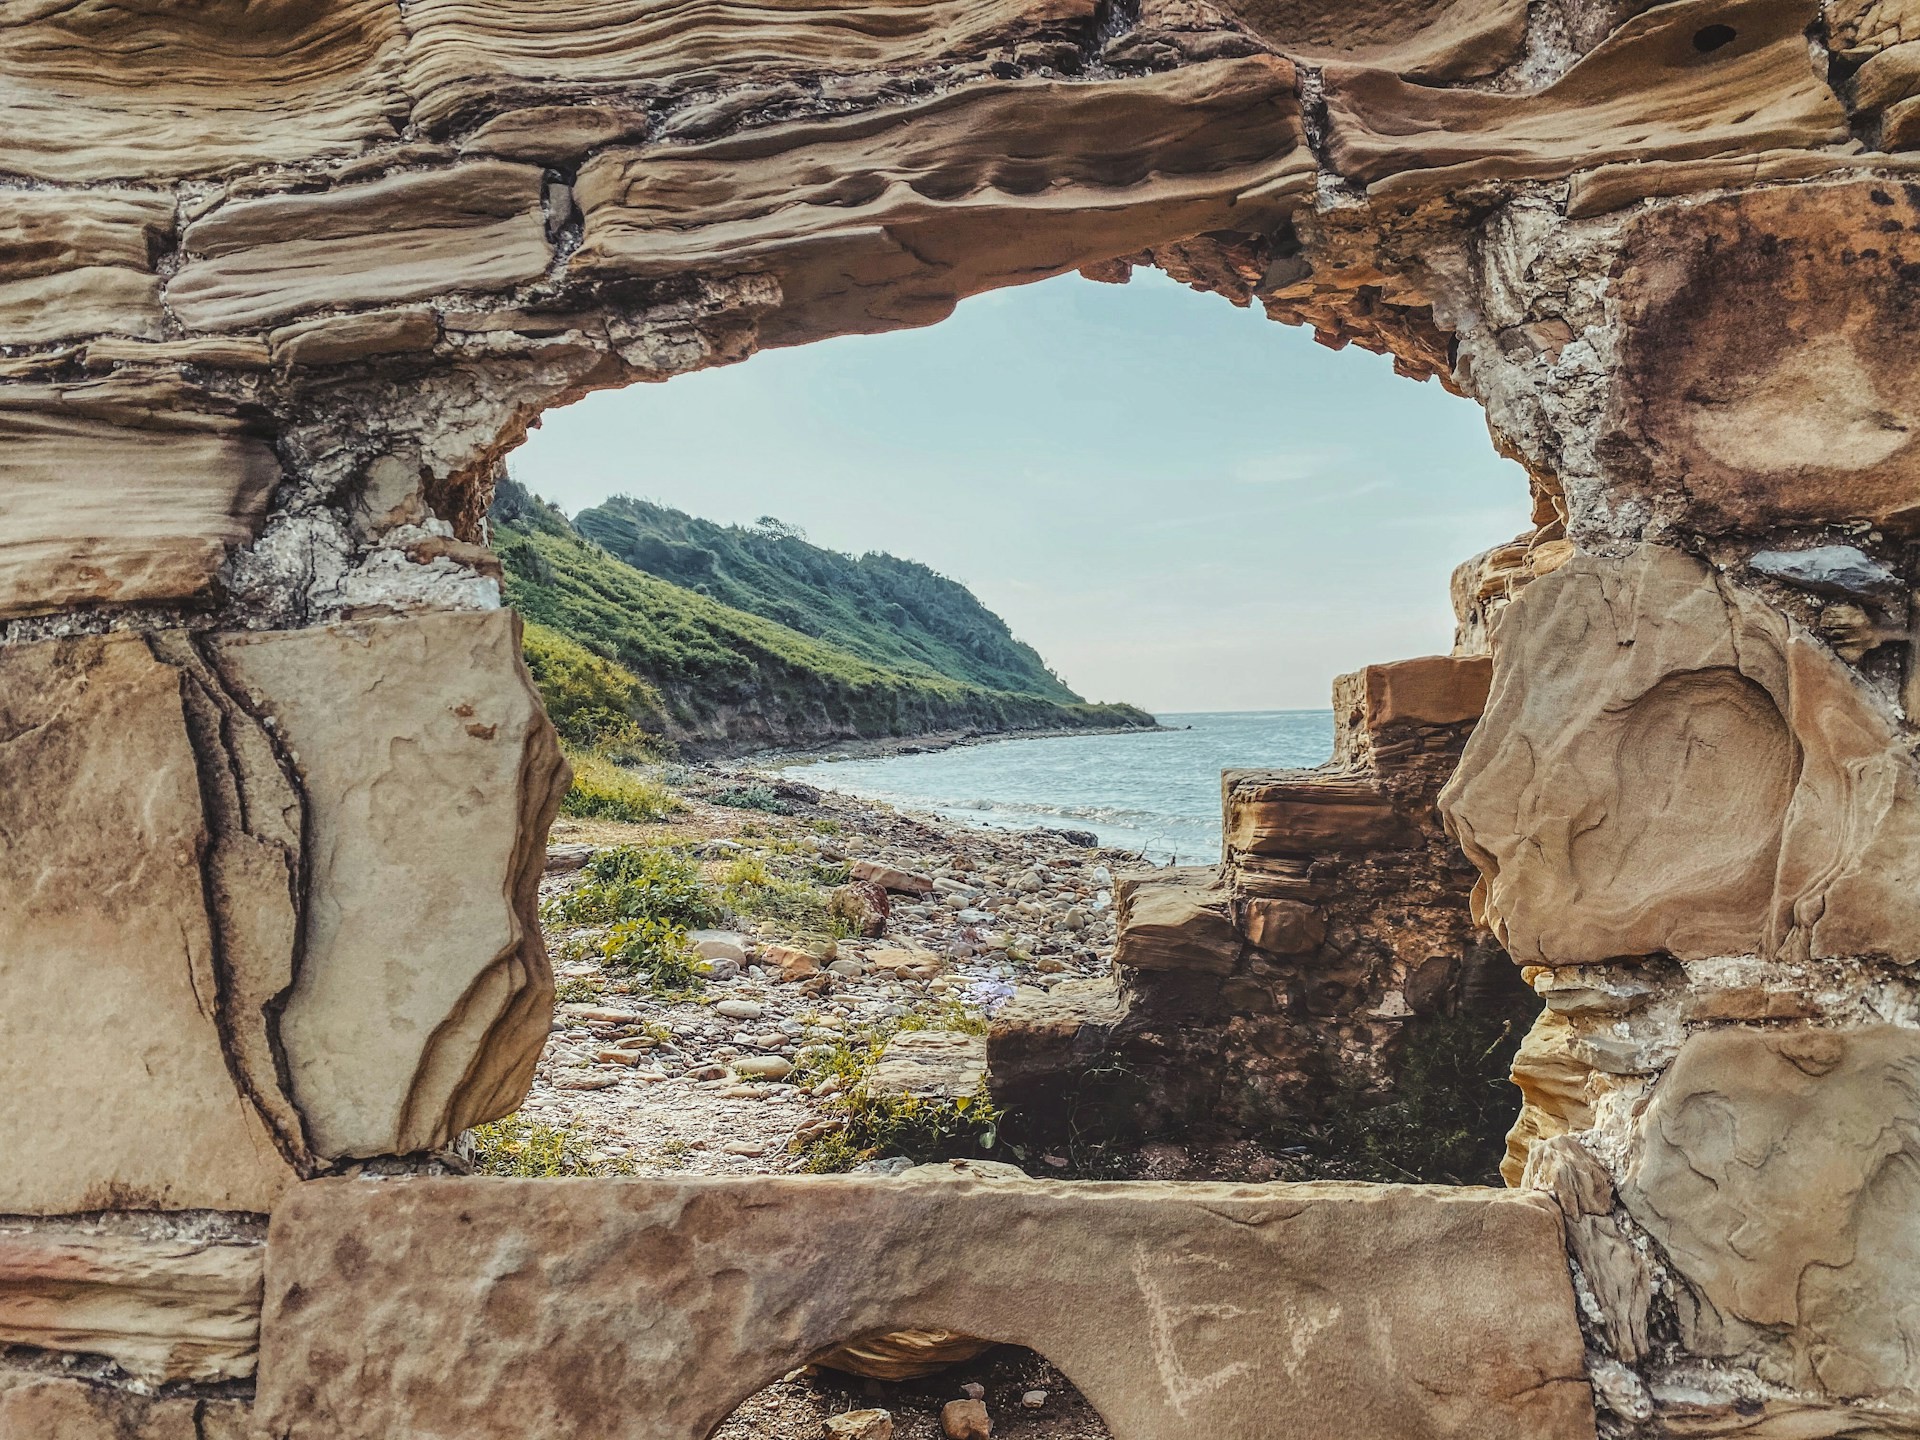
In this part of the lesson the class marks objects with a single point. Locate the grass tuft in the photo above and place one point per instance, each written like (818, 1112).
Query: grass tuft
(525, 1149)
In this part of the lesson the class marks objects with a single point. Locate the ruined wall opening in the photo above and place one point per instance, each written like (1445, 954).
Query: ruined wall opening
(1004, 1390)
(279, 289)
(1320, 1006)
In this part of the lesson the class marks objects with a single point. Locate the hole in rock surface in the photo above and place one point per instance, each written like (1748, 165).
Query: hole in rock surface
(1025, 1395)
(1709, 38)
(1152, 499)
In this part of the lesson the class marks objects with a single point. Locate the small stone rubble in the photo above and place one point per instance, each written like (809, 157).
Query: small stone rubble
(699, 1085)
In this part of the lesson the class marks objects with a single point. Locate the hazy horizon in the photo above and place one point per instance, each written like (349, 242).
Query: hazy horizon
(1099, 465)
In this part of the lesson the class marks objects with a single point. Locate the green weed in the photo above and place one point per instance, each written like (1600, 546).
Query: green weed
(753, 797)
(527, 1150)
(639, 882)
(659, 950)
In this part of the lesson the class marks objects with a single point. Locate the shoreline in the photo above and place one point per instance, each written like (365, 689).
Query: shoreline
(881, 747)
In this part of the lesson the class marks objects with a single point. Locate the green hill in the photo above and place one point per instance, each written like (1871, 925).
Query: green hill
(615, 648)
(893, 612)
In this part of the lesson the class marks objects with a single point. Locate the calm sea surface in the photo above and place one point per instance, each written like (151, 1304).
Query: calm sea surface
(1157, 792)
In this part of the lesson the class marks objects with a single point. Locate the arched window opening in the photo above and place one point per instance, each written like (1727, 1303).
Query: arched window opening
(1004, 1390)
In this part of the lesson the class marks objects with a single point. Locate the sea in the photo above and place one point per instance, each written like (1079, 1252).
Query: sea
(1154, 792)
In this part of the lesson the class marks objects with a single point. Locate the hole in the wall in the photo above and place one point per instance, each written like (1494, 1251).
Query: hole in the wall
(1025, 1396)
(1062, 477)
(1709, 38)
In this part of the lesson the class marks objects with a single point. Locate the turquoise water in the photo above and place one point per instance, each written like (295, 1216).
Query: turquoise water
(1157, 792)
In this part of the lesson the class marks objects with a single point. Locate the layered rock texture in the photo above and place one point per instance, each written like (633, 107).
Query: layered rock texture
(1338, 923)
(280, 284)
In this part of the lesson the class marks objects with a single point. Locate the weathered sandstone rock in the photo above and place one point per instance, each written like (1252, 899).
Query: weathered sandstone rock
(105, 92)
(944, 186)
(119, 1089)
(1290, 813)
(429, 803)
(1777, 1171)
(1762, 380)
(225, 826)
(478, 225)
(1668, 765)
(81, 265)
(408, 1306)
(1553, 1091)
(177, 475)
(35, 1405)
(462, 56)
(161, 1309)
(1659, 87)
(1175, 919)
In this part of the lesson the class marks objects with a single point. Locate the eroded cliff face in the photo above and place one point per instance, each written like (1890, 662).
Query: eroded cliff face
(281, 282)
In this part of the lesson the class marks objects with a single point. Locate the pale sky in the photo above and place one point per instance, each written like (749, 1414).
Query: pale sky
(1178, 503)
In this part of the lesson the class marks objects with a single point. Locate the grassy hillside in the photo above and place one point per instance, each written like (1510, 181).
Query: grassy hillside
(615, 649)
(895, 613)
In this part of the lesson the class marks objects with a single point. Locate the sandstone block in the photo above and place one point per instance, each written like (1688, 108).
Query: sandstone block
(1283, 927)
(478, 225)
(1174, 920)
(1299, 812)
(111, 1048)
(429, 805)
(861, 1425)
(471, 1307)
(39, 1406)
(1432, 690)
(1778, 1170)
(201, 808)
(965, 1420)
(175, 476)
(337, 339)
(891, 878)
(80, 265)
(161, 1309)
(1761, 375)
(1720, 786)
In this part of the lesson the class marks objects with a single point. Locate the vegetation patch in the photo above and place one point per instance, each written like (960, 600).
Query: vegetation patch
(620, 653)
(872, 1127)
(660, 951)
(525, 1149)
(639, 882)
(603, 790)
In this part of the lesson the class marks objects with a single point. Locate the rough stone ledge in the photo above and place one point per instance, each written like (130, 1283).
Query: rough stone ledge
(484, 1308)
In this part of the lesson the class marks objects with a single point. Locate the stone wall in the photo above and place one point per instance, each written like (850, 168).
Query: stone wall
(281, 283)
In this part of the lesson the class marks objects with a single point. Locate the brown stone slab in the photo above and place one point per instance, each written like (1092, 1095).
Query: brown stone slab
(1301, 813)
(648, 1310)
(431, 772)
(1722, 785)
(118, 1091)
